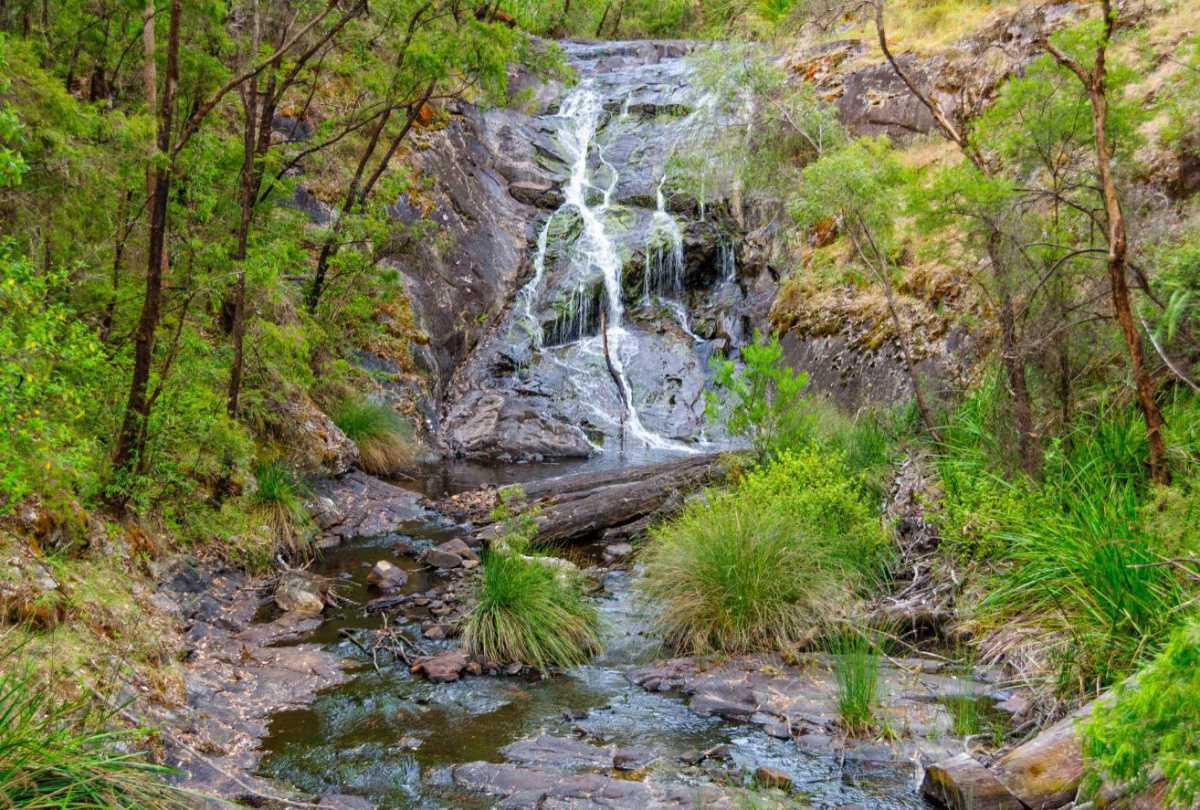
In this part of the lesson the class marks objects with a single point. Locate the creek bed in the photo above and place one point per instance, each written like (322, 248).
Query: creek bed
(394, 738)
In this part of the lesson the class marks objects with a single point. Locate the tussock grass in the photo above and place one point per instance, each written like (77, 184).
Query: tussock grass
(57, 755)
(278, 499)
(383, 437)
(530, 613)
(760, 566)
(856, 659)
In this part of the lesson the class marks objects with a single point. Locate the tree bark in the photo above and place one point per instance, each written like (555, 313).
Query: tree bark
(1095, 82)
(130, 445)
(249, 194)
(1014, 365)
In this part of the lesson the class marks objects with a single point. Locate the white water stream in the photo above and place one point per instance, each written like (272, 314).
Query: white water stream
(580, 115)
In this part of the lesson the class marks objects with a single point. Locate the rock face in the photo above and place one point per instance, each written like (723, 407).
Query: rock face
(557, 225)
(314, 443)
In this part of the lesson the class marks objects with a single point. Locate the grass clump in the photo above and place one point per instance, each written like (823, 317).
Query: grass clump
(760, 565)
(278, 499)
(856, 659)
(529, 609)
(1152, 728)
(383, 437)
(64, 754)
(531, 612)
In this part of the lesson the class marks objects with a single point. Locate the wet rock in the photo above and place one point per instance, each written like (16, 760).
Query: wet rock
(298, 593)
(364, 506)
(494, 424)
(633, 759)
(558, 753)
(441, 559)
(617, 551)
(433, 632)
(340, 801)
(772, 778)
(442, 668)
(387, 577)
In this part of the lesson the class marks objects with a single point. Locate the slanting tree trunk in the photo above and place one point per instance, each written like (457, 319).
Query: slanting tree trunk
(131, 439)
(1095, 82)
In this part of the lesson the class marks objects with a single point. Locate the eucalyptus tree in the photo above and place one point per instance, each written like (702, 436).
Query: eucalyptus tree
(1084, 53)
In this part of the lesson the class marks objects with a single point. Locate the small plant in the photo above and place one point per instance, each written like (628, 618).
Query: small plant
(965, 719)
(856, 659)
(531, 612)
(383, 437)
(279, 499)
(765, 400)
(66, 755)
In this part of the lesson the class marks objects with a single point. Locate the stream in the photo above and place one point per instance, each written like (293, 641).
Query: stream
(397, 740)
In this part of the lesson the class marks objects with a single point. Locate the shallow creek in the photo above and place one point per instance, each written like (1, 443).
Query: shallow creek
(393, 738)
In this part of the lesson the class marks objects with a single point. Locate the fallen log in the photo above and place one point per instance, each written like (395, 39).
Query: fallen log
(584, 505)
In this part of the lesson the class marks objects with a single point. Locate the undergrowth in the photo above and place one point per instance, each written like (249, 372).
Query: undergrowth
(383, 437)
(856, 659)
(759, 565)
(278, 499)
(65, 754)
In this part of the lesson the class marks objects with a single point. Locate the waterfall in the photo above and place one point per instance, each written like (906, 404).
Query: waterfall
(727, 259)
(594, 250)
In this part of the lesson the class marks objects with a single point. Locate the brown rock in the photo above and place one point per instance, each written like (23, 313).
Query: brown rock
(297, 593)
(961, 783)
(387, 577)
(443, 668)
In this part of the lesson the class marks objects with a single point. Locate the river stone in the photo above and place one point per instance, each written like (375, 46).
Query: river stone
(961, 783)
(387, 577)
(297, 593)
(442, 668)
(772, 778)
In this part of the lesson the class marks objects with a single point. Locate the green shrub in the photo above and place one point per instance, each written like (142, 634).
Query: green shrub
(856, 659)
(1078, 554)
(760, 565)
(278, 499)
(1153, 725)
(383, 437)
(764, 399)
(65, 755)
(531, 612)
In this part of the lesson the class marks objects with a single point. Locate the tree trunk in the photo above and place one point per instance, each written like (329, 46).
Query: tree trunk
(249, 194)
(1014, 365)
(131, 440)
(1117, 278)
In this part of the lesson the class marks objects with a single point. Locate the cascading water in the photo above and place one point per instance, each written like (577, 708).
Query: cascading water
(595, 251)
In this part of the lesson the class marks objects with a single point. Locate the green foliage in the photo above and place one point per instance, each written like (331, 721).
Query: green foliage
(763, 398)
(531, 612)
(1151, 728)
(278, 498)
(59, 754)
(859, 185)
(51, 383)
(856, 658)
(1080, 553)
(760, 565)
(764, 125)
(383, 437)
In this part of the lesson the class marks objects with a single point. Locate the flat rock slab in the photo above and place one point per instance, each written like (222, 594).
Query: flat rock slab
(522, 787)
(800, 700)
(360, 505)
(235, 680)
